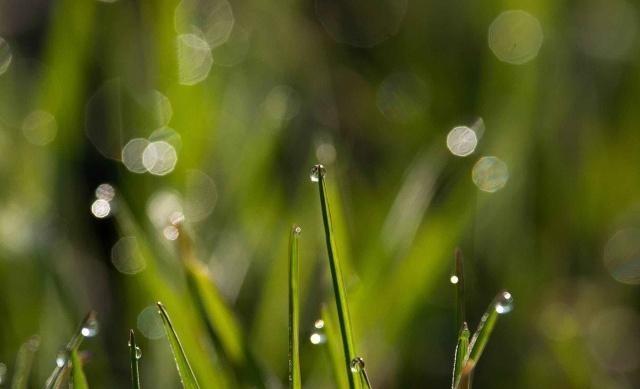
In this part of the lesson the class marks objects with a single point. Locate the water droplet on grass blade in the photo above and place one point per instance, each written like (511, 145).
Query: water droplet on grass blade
(317, 338)
(317, 171)
(297, 230)
(357, 365)
(138, 352)
(90, 328)
(504, 303)
(319, 324)
(454, 279)
(62, 357)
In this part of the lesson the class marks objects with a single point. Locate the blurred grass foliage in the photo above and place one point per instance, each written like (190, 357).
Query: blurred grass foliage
(370, 91)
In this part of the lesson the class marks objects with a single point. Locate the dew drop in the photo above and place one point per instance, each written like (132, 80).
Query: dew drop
(357, 365)
(317, 171)
(138, 352)
(62, 357)
(297, 230)
(90, 328)
(319, 324)
(454, 279)
(504, 302)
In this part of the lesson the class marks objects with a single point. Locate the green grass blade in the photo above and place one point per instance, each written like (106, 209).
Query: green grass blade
(334, 348)
(294, 311)
(317, 174)
(187, 377)
(87, 328)
(357, 367)
(24, 362)
(458, 280)
(501, 304)
(461, 352)
(134, 356)
(77, 374)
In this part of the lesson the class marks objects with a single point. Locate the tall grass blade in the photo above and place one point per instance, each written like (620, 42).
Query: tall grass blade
(77, 374)
(24, 362)
(134, 356)
(461, 352)
(87, 328)
(501, 304)
(187, 377)
(334, 348)
(317, 174)
(458, 280)
(294, 311)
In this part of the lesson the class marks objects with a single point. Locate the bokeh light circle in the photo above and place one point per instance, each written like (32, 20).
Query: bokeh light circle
(622, 256)
(515, 37)
(490, 174)
(126, 256)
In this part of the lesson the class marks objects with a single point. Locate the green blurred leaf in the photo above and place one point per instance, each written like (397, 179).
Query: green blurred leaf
(78, 377)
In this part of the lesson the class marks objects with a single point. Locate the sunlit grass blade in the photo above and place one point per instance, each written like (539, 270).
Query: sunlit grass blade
(458, 280)
(77, 374)
(294, 311)
(501, 304)
(134, 356)
(221, 322)
(334, 348)
(88, 328)
(24, 362)
(317, 174)
(461, 352)
(187, 377)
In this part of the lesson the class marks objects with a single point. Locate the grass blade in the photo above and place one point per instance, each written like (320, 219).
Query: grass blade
(24, 362)
(77, 374)
(88, 328)
(458, 280)
(357, 367)
(334, 347)
(501, 304)
(187, 377)
(294, 311)
(221, 323)
(134, 356)
(461, 352)
(317, 174)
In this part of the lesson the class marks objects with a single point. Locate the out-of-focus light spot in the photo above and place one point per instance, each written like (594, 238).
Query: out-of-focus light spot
(490, 174)
(319, 324)
(282, 103)
(39, 128)
(132, 155)
(462, 141)
(515, 37)
(168, 135)
(17, 226)
(158, 106)
(234, 50)
(614, 339)
(194, 59)
(558, 322)
(161, 206)
(201, 196)
(317, 338)
(126, 256)
(454, 279)
(159, 158)
(100, 208)
(402, 97)
(5, 56)
(150, 324)
(105, 192)
(607, 29)
(171, 232)
(326, 153)
(212, 19)
(361, 23)
(622, 256)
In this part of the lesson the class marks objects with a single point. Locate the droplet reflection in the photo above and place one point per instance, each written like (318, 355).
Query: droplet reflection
(317, 171)
(504, 302)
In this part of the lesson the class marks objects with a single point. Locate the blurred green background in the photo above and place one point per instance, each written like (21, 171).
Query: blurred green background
(230, 104)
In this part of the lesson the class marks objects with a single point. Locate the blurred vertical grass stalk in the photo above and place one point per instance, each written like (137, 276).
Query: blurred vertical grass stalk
(317, 175)
(294, 311)
(24, 363)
